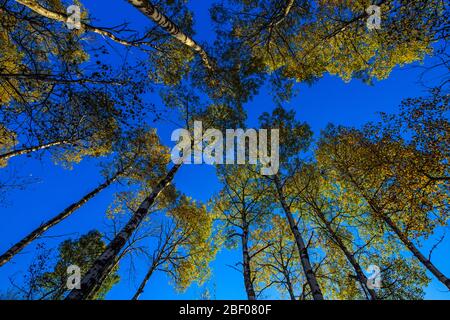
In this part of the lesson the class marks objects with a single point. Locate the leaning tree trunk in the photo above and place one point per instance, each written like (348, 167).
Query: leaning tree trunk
(408, 243)
(378, 212)
(19, 152)
(156, 261)
(290, 287)
(62, 17)
(141, 288)
(362, 279)
(92, 280)
(280, 18)
(302, 250)
(19, 246)
(251, 295)
(148, 9)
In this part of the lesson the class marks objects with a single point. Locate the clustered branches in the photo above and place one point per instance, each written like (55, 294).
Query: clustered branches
(357, 197)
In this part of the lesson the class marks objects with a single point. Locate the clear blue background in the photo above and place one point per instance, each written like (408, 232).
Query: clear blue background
(328, 100)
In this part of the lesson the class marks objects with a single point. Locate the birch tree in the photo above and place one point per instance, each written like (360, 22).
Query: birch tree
(241, 206)
(136, 161)
(396, 178)
(306, 39)
(313, 198)
(184, 245)
(277, 264)
(47, 276)
(215, 116)
(294, 137)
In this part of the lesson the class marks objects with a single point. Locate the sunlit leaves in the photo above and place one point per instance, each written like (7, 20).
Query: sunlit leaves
(311, 38)
(8, 140)
(79, 252)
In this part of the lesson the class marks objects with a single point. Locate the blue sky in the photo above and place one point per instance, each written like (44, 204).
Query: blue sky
(328, 100)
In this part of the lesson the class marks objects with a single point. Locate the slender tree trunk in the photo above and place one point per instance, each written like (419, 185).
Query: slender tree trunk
(302, 250)
(288, 6)
(362, 279)
(19, 246)
(251, 295)
(14, 153)
(62, 17)
(408, 243)
(148, 9)
(141, 288)
(156, 261)
(290, 288)
(93, 279)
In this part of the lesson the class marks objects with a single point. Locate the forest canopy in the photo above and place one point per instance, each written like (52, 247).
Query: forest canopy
(89, 98)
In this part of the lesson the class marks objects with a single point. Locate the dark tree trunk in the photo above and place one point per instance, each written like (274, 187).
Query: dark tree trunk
(302, 250)
(408, 243)
(93, 279)
(141, 288)
(362, 279)
(289, 286)
(19, 246)
(251, 295)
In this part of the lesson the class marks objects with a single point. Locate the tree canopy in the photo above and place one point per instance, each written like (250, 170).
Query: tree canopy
(351, 212)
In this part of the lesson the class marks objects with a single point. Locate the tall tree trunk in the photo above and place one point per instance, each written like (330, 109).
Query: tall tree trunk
(290, 288)
(280, 18)
(408, 243)
(251, 295)
(19, 152)
(148, 9)
(362, 279)
(93, 279)
(288, 7)
(302, 250)
(19, 246)
(141, 288)
(62, 17)
(156, 261)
